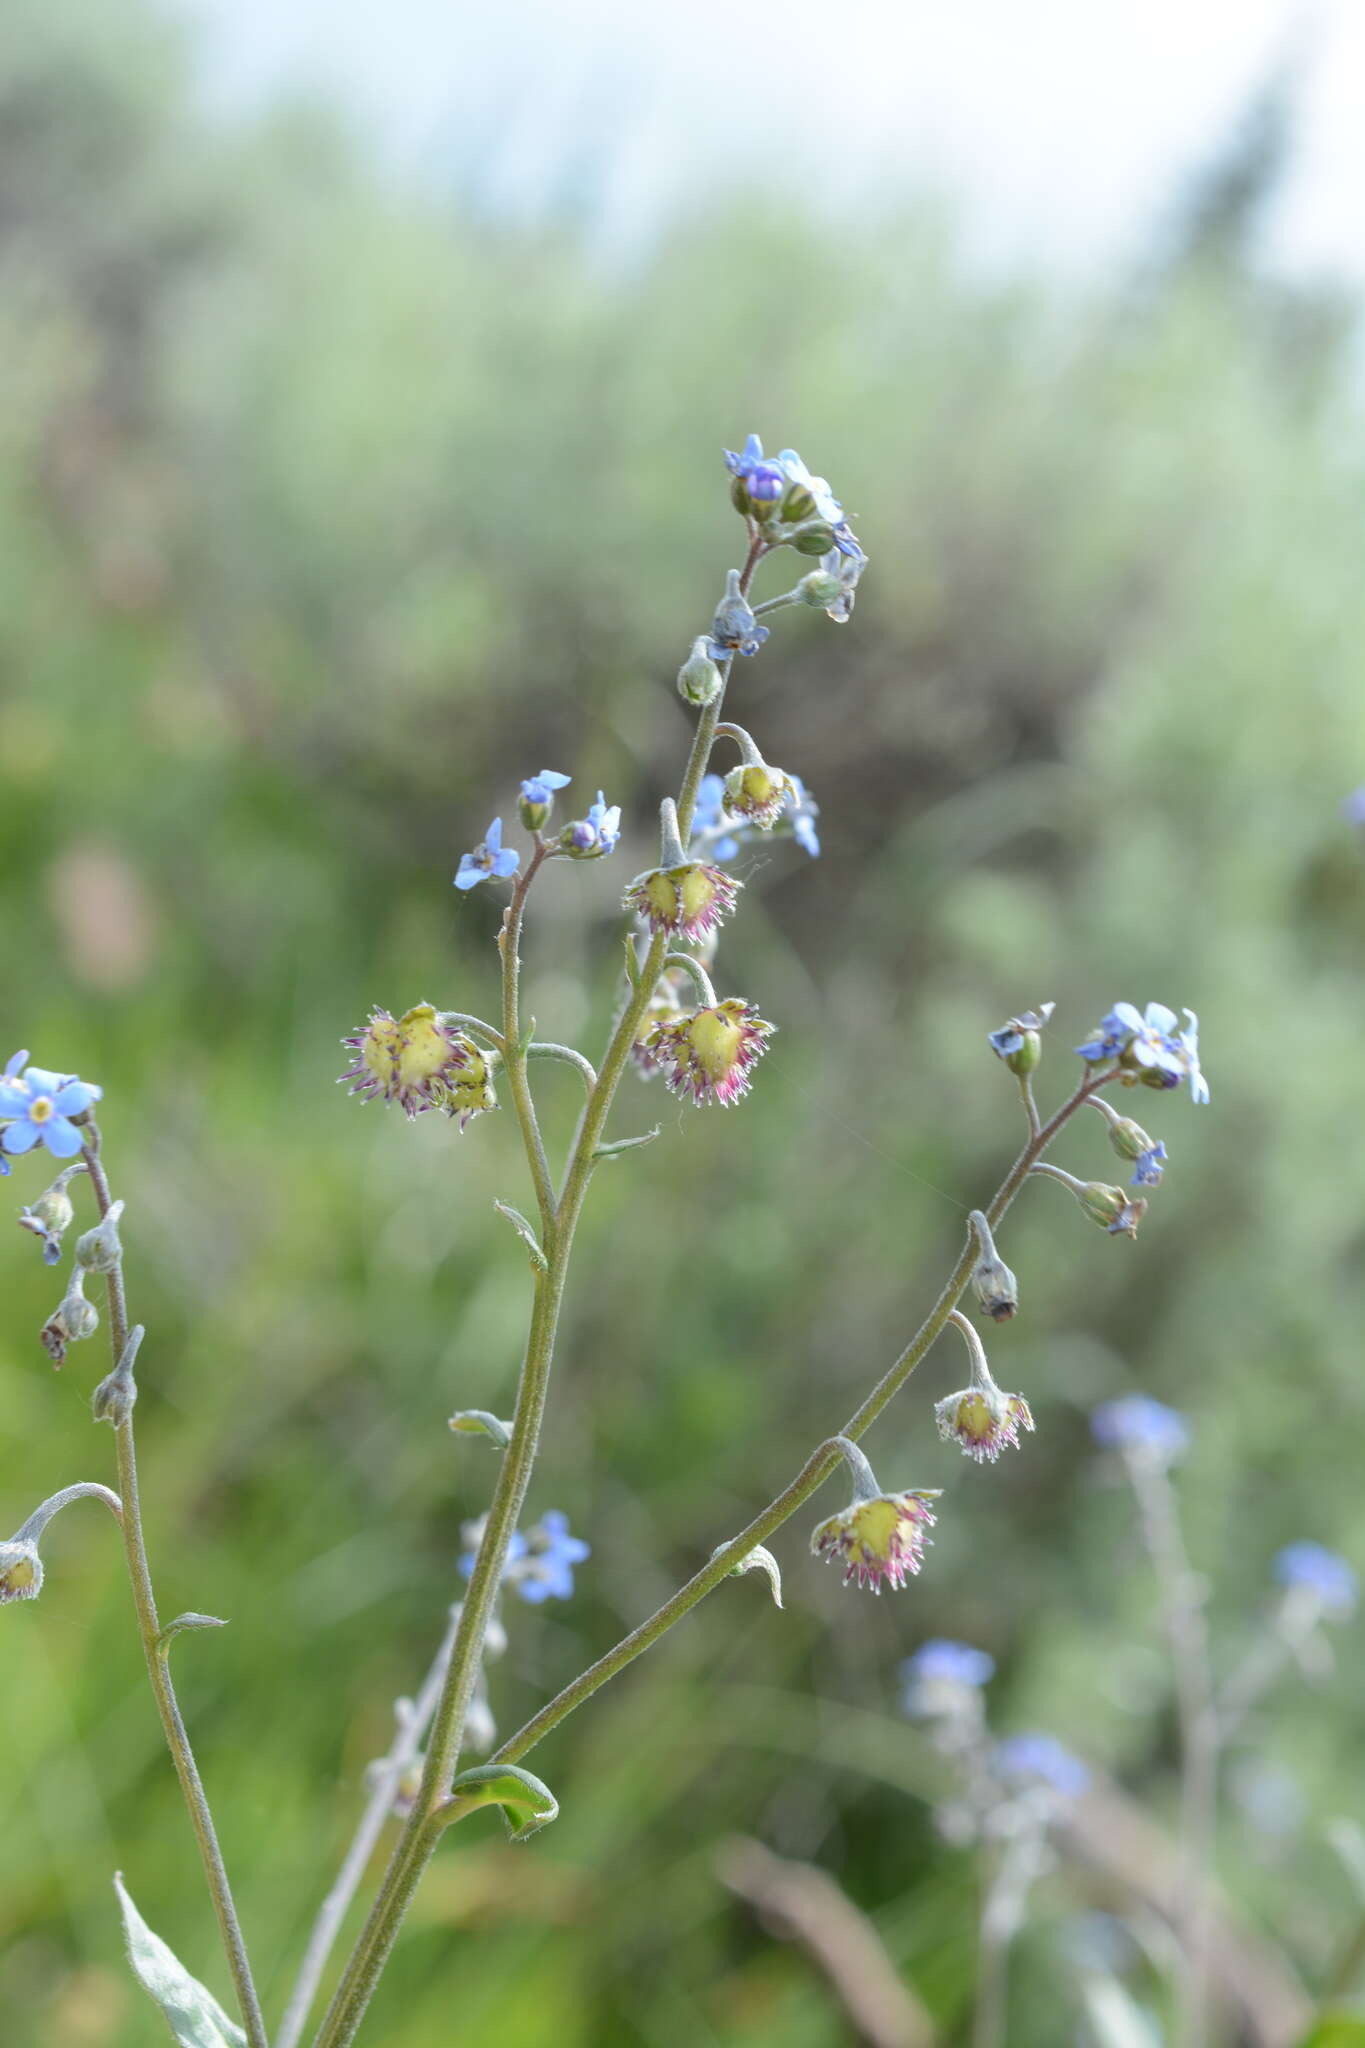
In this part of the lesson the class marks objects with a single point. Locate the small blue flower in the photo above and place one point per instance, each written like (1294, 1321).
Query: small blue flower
(764, 480)
(827, 506)
(750, 642)
(587, 838)
(41, 1105)
(1042, 1760)
(544, 1570)
(1188, 1043)
(1321, 1571)
(943, 1661)
(540, 789)
(802, 812)
(492, 858)
(1149, 1166)
(1138, 1423)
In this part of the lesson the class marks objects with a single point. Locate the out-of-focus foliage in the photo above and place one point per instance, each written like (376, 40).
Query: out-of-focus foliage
(326, 512)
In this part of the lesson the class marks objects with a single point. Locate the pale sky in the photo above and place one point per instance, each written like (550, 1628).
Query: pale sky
(1063, 126)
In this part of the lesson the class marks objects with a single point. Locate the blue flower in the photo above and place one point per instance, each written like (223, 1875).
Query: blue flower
(492, 858)
(1319, 1570)
(802, 812)
(734, 629)
(1138, 1423)
(845, 562)
(1353, 806)
(1188, 1042)
(540, 789)
(1043, 1760)
(544, 1570)
(1149, 1166)
(41, 1105)
(588, 838)
(721, 837)
(943, 1661)
(764, 480)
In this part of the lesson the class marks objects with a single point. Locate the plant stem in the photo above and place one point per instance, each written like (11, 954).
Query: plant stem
(559, 1219)
(412, 1717)
(1183, 1616)
(157, 1655)
(513, 1051)
(816, 1469)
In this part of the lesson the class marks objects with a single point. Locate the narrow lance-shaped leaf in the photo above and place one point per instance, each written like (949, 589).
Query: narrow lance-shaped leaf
(193, 2014)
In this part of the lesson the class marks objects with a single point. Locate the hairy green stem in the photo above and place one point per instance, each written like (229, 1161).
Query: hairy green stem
(559, 1219)
(156, 1652)
(813, 1473)
(513, 1051)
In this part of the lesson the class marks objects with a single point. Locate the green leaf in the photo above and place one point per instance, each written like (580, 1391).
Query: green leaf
(478, 1422)
(615, 1146)
(525, 1233)
(194, 2015)
(183, 1622)
(527, 1805)
(756, 1560)
(1336, 2030)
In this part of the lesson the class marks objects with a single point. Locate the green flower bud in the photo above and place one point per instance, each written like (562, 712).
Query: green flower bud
(813, 540)
(699, 680)
(995, 1288)
(99, 1250)
(819, 589)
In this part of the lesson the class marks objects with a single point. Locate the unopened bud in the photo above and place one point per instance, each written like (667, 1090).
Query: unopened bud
(699, 680)
(99, 1250)
(114, 1398)
(50, 1217)
(816, 539)
(73, 1319)
(995, 1288)
(819, 589)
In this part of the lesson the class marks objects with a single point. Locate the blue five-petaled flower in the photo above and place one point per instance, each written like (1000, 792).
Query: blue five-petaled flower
(1042, 1760)
(492, 858)
(540, 789)
(540, 1564)
(41, 1106)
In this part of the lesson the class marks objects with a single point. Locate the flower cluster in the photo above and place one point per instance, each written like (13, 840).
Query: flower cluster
(709, 1055)
(877, 1541)
(421, 1062)
(720, 832)
(1149, 1048)
(790, 504)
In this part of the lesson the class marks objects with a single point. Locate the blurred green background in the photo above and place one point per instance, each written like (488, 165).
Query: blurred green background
(327, 511)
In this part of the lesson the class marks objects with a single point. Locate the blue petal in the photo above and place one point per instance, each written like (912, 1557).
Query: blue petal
(507, 862)
(1128, 1016)
(75, 1097)
(553, 780)
(62, 1139)
(1159, 1018)
(470, 872)
(14, 1063)
(41, 1081)
(492, 838)
(14, 1100)
(534, 1590)
(19, 1137)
